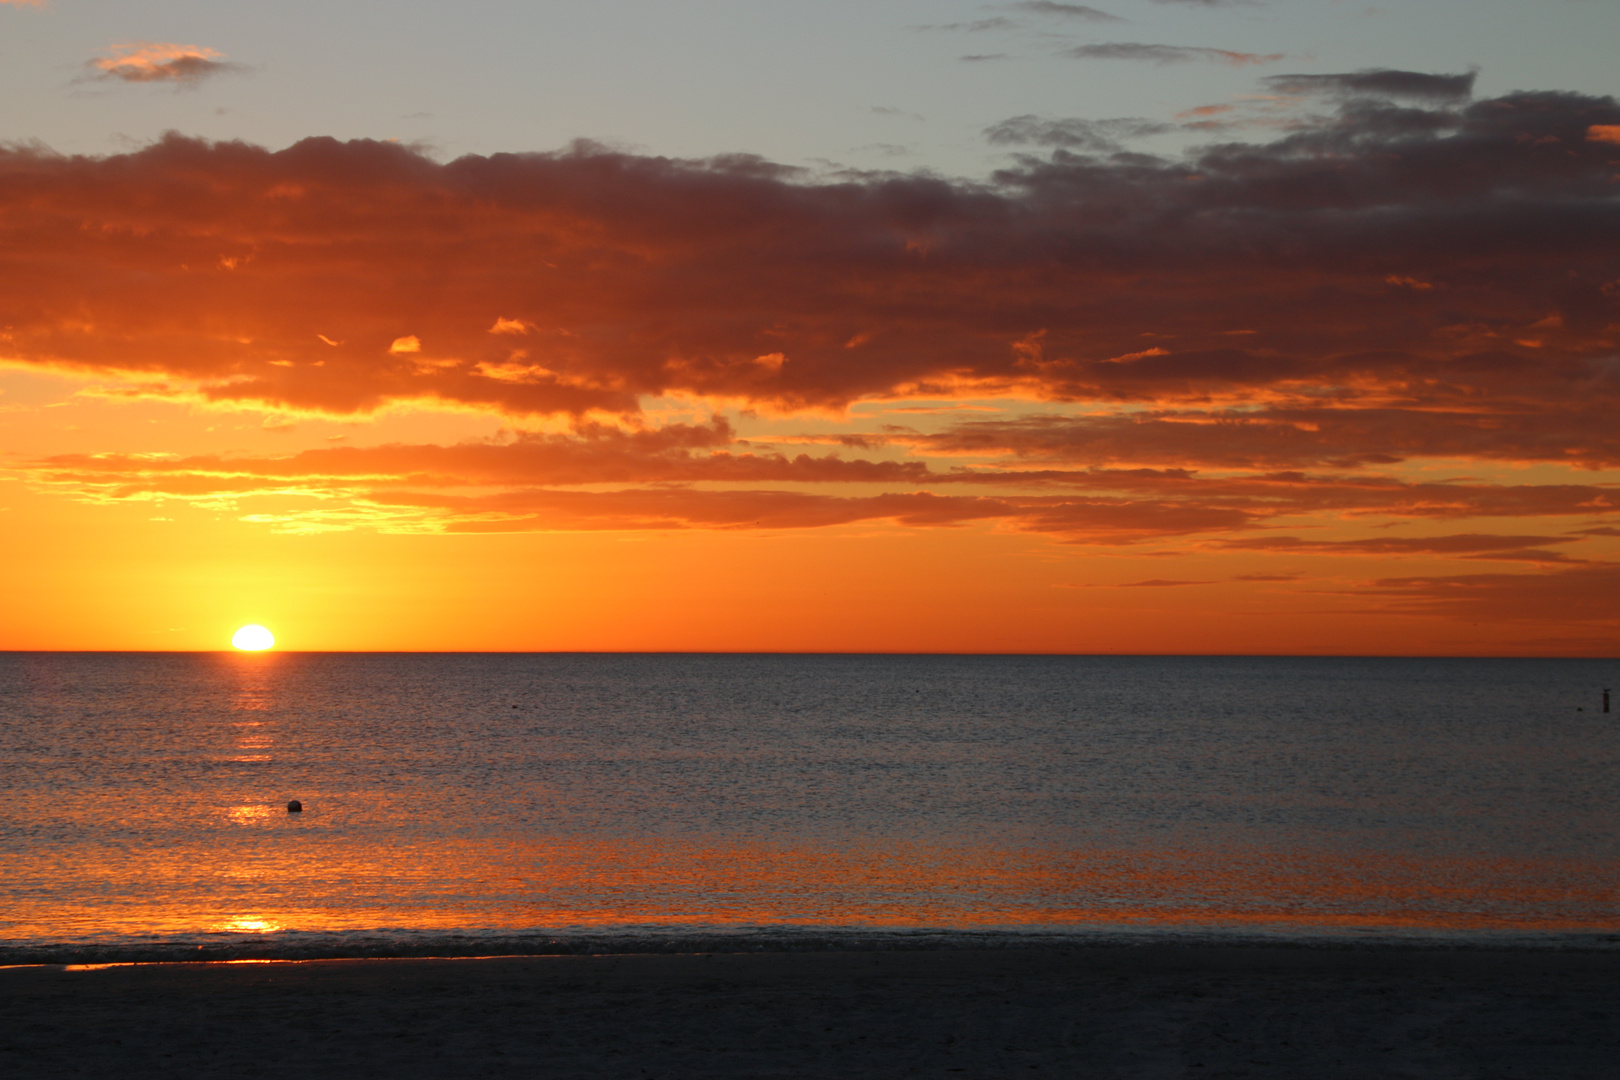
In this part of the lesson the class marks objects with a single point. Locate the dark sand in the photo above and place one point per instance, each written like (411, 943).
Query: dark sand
(1152, 1011)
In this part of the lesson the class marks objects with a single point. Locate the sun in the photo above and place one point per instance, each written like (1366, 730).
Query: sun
(253, 639)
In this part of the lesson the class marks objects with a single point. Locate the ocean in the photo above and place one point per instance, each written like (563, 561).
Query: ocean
(469, 804)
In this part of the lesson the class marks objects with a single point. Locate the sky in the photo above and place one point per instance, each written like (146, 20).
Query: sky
(1154, 326)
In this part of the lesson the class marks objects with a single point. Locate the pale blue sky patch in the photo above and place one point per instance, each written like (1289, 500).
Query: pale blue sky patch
(793, 82)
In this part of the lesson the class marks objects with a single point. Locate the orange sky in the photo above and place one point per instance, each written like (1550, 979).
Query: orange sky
(1351, 391)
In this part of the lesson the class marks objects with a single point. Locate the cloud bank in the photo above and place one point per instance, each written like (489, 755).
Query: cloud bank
(1410, 261)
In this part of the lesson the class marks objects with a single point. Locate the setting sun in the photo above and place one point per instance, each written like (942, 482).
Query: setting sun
(253, 639)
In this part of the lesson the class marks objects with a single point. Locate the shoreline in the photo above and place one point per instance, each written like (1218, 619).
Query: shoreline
(382, 944)
(1095, 1010)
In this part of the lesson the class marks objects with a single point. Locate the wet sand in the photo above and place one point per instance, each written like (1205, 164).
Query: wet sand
(1139, 1012)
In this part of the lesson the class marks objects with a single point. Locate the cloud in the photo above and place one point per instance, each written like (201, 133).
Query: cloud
(1169, 54)
(1239, 299)
(156, 61)
(1576, 595)
(1093, 136)
(1466, 545)
(1379, 82)
(978, 26)
(519, 483)
(446, 489)
(1532, 419)
(1067, 11)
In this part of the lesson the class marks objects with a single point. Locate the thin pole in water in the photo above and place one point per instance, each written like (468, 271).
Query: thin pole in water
(1605, 699)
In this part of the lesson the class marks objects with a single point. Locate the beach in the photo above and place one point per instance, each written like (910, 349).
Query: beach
(1150, 1010)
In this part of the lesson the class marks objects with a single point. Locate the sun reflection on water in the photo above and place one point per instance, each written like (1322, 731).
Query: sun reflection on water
(248, 815)
(253, 694)
(249, 926)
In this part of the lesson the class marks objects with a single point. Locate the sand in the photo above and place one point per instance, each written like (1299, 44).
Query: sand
(1139, 1012)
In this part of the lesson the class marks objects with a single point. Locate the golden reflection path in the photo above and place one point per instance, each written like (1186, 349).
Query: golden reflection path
(193, 837)
(572, 883)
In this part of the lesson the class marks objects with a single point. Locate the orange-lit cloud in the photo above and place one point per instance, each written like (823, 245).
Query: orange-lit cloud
(1468, 546)
(667, 475)
(158, 61)
(643, 276)
(1558, 426)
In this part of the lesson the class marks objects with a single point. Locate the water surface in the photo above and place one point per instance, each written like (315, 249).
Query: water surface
(500, 797)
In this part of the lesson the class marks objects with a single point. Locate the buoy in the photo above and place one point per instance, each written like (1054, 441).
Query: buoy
(295, 807)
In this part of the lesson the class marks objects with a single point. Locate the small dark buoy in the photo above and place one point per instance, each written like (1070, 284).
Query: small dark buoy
(295, 807)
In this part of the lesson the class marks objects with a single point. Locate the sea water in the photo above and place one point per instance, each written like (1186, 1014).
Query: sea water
(532, 802)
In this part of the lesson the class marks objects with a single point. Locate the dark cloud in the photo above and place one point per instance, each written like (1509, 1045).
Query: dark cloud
(1169, 54)
(1576, 595)
(975, 27)
(1069, 11)
(1085, 136)
(1465, 545)
(1380, 82)
(1532, 419)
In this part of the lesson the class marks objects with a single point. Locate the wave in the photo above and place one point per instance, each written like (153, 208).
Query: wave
(394, 942)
